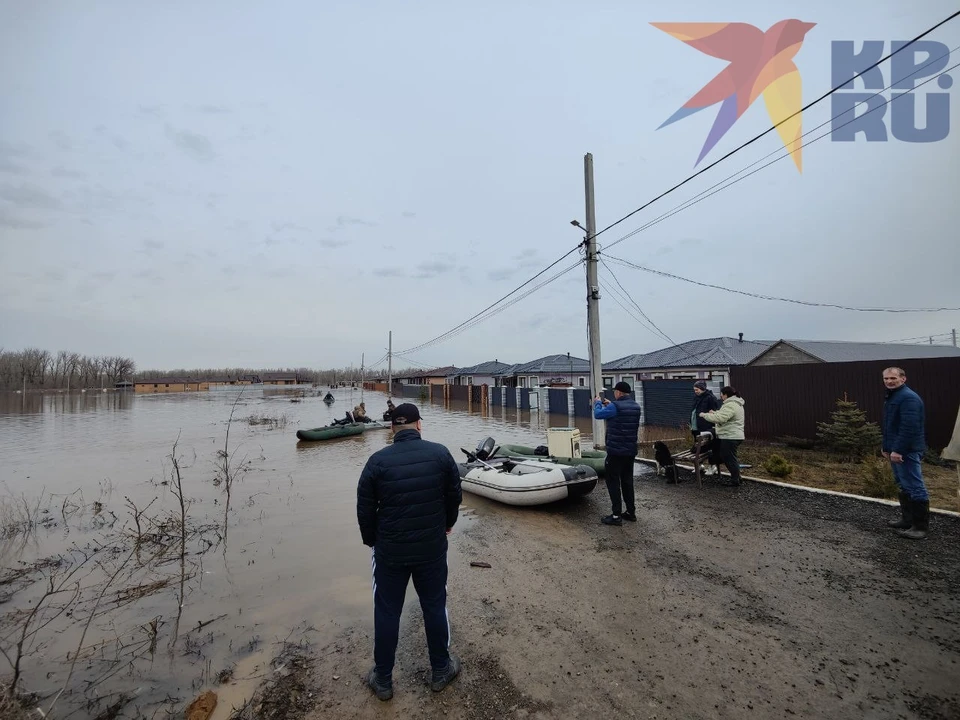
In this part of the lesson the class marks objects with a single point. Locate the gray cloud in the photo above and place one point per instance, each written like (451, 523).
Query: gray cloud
(28, 196)
(501, 274)
(330, 243)
(148, 247)
(115, 140)
(344, 220)
(62, 172)
(20, 150)
(211, 109)
(12, 168)
(61, 140)
(193, 144)
(389, 272)
(408, 214)
(432, 269)
(104, 276)
(281, 226)
(17, 223)
(152, 110)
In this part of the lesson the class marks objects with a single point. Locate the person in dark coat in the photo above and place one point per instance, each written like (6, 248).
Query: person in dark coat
(623, 428)
(703, 401)
(388, 413)
(904, 442)
(408, 499)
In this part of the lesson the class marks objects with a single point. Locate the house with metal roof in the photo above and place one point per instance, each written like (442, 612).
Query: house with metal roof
(705, 359)
(436, 376)
(555, 370)
(480, 374)
(795, 352)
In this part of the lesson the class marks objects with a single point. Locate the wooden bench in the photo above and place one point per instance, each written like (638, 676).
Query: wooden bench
(696, 456)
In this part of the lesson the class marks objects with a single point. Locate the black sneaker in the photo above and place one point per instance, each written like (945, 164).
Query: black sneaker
(443, 678)
(632, 517)
(611, 520)
(382, 689)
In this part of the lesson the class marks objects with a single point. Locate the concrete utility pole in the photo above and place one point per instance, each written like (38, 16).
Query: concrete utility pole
(593, 300)
(390, 364)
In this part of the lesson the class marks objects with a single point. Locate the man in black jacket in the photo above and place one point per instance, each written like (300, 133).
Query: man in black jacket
(408, 499)
(623, 428)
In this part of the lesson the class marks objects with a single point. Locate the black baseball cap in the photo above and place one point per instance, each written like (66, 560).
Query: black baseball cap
(622, 387)
(405, 414)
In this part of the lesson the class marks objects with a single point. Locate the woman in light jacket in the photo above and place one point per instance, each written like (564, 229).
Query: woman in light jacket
(730, 422)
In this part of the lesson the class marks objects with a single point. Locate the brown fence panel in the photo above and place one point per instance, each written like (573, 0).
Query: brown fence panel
(459, 392)
(791, 399)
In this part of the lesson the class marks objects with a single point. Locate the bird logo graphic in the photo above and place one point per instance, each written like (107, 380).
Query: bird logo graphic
(761, 63)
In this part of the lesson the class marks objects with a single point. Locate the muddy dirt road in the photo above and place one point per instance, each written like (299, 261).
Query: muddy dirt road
(719, 603)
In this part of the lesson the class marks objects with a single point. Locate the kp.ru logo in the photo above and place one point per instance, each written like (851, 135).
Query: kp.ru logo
(761, 63)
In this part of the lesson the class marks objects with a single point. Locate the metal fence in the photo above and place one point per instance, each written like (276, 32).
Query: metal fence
(790, 399)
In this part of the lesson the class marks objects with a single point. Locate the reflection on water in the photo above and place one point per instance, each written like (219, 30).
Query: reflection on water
(294, 557)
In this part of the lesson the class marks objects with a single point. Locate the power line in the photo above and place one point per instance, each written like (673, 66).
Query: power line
(758, 296)
(774, 127)
(453, 330)
(721, 186)
(490, 312)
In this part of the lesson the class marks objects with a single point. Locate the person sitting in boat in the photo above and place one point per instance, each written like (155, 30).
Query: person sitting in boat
(347, 420)
(360, 414)
(329, 396)
(388, 413)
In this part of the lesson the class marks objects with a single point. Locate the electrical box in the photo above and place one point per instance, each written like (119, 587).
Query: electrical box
(564, 442)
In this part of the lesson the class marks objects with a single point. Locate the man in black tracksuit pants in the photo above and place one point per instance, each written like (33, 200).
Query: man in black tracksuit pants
(408, 499)
(623, 426)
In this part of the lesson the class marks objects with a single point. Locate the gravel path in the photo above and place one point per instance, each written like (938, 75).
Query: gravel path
(758, 602)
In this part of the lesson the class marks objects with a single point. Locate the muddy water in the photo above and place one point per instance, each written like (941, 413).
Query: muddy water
(292, 565)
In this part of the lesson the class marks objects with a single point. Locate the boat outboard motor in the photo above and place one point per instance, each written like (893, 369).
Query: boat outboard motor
(485, 448)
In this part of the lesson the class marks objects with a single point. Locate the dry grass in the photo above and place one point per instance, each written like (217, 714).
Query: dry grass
(11, 708)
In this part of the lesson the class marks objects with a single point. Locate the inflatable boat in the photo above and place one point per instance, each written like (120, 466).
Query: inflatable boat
(516, 481)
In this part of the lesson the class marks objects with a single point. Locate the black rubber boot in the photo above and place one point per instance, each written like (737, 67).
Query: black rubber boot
(921, 520)
(440, 679)
(906, 516)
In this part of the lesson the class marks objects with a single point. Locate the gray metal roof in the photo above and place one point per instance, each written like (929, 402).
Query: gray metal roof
(549, 365)
(490, 367)
(830, 351)
(709, 352)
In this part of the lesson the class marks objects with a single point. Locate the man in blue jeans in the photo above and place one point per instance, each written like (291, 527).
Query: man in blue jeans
(623, 427)
(904, 441)
(408, 499)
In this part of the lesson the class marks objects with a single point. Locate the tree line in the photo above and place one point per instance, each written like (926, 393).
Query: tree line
(35, 369)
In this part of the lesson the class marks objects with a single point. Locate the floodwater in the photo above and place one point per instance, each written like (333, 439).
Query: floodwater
(292, 566)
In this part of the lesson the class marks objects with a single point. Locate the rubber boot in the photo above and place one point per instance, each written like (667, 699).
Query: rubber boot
(906, 516)
(921, 520)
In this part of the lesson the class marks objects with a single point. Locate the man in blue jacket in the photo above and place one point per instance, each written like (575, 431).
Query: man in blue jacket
(623, 427)
(904, 441)
(408, 499)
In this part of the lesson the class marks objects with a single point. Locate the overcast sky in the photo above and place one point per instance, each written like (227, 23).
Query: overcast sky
(280, 184)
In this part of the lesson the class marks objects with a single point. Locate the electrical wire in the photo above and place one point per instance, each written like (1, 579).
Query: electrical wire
(758, 296)
(774, 127)
(703, 195)
(492, 310)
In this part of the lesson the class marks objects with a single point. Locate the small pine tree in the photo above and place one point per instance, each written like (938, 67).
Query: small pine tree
(849, 433)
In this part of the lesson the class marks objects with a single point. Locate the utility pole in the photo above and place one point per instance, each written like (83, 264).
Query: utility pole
(390, 364)
(361, 377)
(593, 299)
